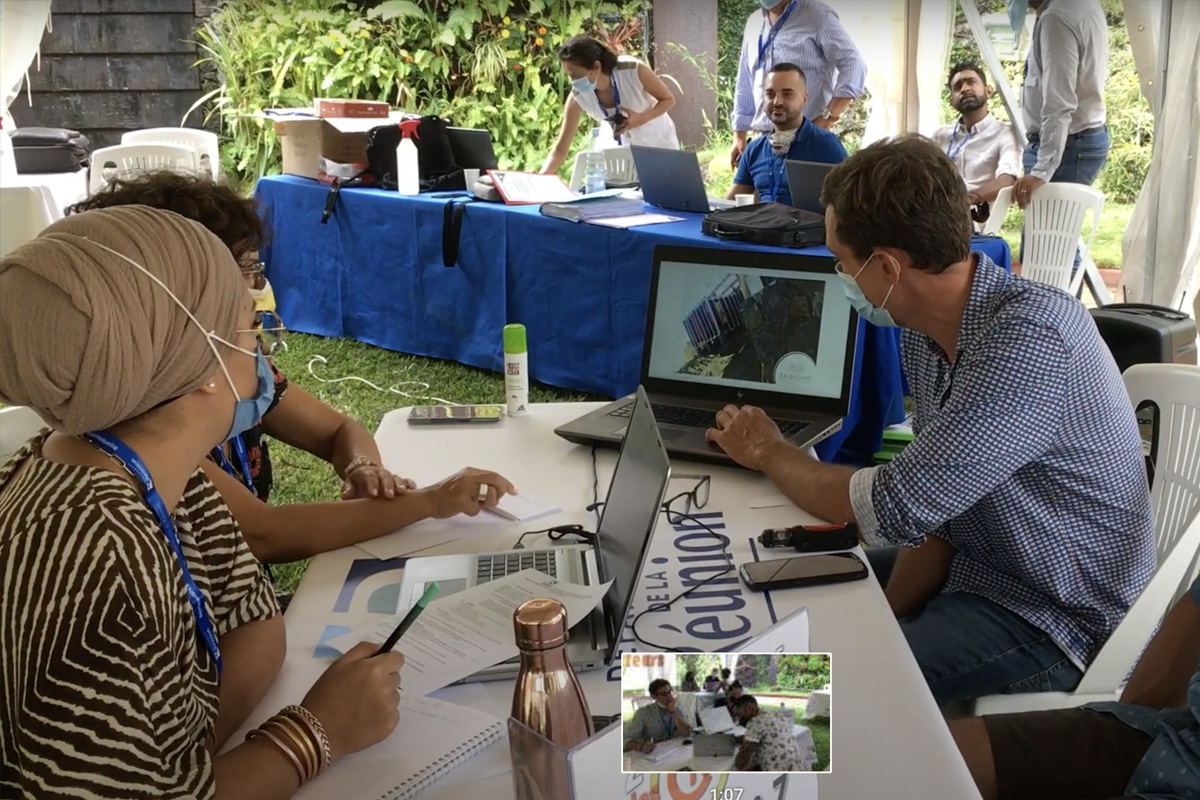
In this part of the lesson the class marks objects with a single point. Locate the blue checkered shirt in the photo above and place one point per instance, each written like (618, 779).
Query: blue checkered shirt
(1027, 459)
(814, 40)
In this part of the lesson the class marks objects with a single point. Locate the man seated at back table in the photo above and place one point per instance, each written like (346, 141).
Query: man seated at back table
(656, 722)
(1022, 500)
(761, 170)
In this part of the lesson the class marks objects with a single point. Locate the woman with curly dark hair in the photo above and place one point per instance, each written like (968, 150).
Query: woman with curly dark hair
(376, 501)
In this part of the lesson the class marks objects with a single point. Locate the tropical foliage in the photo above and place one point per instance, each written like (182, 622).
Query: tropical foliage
(485, 63)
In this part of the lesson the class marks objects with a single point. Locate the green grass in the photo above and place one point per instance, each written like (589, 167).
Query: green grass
(303, 478)
(1106, 249)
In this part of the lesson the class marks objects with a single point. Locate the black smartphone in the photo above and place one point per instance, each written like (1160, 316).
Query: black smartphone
(781, 573)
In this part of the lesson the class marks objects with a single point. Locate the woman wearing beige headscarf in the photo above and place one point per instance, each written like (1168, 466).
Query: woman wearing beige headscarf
(136, 630)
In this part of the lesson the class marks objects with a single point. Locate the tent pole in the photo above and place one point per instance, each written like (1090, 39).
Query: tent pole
(1150, 267)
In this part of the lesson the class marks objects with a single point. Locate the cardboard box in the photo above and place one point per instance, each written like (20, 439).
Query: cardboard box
(351, 109)
(306, 138)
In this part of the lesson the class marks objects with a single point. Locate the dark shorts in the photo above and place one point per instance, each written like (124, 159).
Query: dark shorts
(1065, 754)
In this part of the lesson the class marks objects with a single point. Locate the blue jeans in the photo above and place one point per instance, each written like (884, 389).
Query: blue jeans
(1083, 157)
(968, 647)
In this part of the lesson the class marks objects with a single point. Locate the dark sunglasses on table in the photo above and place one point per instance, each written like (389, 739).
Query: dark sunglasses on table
(693, 499)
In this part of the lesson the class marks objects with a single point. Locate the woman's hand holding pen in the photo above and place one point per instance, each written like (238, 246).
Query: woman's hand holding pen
(357, 700)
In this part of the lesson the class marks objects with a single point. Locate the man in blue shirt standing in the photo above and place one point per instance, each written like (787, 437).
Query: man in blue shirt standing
(761, 169)
(1022, 502)
(1147, 745)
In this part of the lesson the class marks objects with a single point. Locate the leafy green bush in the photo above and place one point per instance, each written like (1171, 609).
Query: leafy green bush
(486, 63)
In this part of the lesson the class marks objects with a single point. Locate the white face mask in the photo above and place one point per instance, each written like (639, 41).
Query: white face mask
(209, 336)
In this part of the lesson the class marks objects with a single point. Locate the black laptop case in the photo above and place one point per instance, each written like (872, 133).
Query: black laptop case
(773, 224)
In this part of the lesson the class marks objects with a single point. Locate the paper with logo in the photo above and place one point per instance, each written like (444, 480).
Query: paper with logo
(715, 720)
(707, 785)
(462, 633)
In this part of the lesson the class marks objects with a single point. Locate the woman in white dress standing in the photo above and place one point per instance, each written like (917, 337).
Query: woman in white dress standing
(619, 90)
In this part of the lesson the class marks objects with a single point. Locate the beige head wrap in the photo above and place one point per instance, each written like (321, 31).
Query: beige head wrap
(87, 340)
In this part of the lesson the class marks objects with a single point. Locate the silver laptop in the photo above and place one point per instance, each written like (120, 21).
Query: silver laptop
(763, 328)
(712, 744)
(627, 519)
(671, 179)
(804, 184)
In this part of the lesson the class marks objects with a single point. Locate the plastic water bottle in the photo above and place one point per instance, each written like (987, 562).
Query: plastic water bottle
(408, 165)
(595, 176)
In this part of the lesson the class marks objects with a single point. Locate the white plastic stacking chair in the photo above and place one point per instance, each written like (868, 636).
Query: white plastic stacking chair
(25, 211)
(127, 160)
(18, 424)
(1053, 225)
(205, 143)
(1175, 496)
(618, 167)
(997, 212)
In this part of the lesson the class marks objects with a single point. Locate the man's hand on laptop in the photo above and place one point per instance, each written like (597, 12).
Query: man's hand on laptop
(747, 434)
(467, 491)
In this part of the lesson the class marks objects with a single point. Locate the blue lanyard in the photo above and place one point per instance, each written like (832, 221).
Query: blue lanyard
(763, 47)
(130, 460)
(239, 450)
(616, 101)
(951, 150)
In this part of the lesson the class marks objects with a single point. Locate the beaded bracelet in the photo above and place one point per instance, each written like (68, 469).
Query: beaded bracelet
(358, 462)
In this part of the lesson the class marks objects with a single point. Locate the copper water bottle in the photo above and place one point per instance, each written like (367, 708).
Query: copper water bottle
(548, 697)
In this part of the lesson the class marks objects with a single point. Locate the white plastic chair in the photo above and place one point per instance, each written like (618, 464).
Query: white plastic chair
(997, 212)
(127, 160)
(26, 211)
(1175, 497)
(1053, 228)
(205, 143)
(618, 167)
(18, 424)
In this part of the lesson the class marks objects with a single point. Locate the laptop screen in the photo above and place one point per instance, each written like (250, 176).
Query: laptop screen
(630, 513)
(786, 329)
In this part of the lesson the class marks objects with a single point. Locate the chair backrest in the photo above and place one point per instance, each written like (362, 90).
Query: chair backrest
(1053, 225)
(127, 160)
(18, 424)
(25, 211)
(1174, 389)
(1175, 496)
(618, 164)
(205, 143)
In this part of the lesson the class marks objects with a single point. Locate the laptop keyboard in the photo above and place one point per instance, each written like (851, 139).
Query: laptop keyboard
(697, 418)
(490, 568)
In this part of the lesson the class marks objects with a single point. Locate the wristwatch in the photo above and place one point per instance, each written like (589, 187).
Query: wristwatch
(829, 115)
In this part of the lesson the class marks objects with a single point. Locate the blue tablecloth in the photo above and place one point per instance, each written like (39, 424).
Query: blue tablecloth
(374, 273)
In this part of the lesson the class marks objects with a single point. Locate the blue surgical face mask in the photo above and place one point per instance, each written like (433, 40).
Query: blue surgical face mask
(1017, 11)
(879, 317)
(584, 85)
(248, 411)
(769, 4)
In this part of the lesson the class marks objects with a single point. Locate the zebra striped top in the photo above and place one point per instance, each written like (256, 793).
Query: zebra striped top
(106, 690)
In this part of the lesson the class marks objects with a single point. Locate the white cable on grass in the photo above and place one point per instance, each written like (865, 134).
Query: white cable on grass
(394, 389)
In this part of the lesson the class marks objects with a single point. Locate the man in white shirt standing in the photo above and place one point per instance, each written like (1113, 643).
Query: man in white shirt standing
(810, 35)
(1062, 97)
(983, 148)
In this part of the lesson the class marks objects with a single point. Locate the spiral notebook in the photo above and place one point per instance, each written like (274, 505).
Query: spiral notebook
(432, 739)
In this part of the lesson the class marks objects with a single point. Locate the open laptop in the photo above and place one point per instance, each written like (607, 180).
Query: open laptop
(472, 148)
(804, 183)
(764, 328)
(627, 519)
(671, 179)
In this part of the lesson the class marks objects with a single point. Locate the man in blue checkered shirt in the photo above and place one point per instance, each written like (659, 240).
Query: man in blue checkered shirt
(1022, 500)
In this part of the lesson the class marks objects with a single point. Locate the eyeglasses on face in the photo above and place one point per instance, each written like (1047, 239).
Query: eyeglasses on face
(269, 329)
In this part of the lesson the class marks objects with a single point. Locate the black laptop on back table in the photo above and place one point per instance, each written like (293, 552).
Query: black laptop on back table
(753, 327)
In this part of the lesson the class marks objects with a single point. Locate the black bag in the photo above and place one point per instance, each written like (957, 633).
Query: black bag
(42, 150)
(435, 160)
(771, 224)
(438, 169)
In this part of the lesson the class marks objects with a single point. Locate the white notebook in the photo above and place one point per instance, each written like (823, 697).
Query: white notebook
(432, 739)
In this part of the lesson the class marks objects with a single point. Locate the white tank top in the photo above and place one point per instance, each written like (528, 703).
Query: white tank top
(658, 132)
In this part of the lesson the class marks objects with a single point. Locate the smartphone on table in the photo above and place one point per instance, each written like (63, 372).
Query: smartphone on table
(782, 573)
(452, 415)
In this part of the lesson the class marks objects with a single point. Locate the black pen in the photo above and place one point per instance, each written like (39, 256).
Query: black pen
(409, 618)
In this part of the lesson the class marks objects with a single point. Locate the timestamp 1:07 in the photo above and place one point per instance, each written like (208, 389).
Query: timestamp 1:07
(727, 794)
